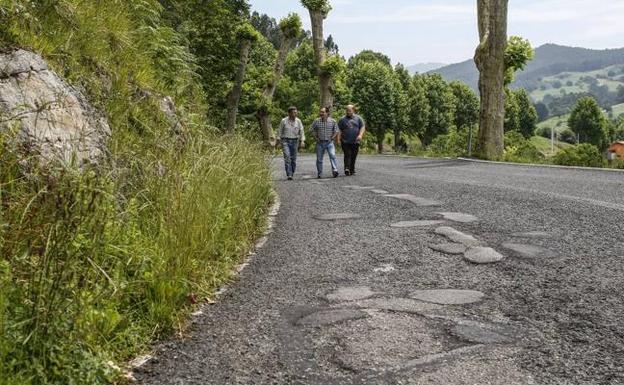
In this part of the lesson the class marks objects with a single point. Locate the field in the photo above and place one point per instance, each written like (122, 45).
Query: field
(573, 82)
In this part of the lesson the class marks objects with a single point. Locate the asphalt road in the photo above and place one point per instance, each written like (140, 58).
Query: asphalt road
(357, 301)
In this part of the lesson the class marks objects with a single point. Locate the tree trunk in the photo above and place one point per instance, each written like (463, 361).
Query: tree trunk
(380, 138)
(397, 140)
(490, 61)
(263, 114)
(235, 94)
(325, 79)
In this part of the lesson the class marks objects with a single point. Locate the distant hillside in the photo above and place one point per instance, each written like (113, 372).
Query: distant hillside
(550, 60)
(424, 67)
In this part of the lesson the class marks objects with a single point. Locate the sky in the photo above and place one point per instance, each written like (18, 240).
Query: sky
(419, 31)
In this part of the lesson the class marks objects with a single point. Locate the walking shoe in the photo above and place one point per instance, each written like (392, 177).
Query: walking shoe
(347, 172)
(335, 173)
(353, 172)
(318, 176)
(290, 178)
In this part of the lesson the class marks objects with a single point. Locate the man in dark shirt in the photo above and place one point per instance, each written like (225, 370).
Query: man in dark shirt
(351, 132)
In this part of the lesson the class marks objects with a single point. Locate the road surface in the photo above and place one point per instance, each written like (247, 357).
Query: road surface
(385, 289)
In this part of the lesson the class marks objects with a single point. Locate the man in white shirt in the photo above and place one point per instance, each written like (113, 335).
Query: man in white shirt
(291, 136)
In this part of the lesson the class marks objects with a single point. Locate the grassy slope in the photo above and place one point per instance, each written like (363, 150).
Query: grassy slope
(544, 145)
(95, 265)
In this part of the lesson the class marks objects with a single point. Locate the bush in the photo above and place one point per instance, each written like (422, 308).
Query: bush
(543, 131)
(618, 164)
(453, 144)
(520, 150)
(568, 136)
(584, 154)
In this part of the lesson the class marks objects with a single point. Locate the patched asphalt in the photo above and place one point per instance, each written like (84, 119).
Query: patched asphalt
(353, 300)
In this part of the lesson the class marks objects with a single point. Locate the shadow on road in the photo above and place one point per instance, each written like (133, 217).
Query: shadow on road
(435, 163)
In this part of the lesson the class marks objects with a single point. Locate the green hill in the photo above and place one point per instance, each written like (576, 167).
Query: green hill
(550, 60)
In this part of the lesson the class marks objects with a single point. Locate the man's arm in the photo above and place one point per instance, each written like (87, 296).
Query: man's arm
(314, 130)
(362, 130)
(281, 130)
(336, 131)
(301, 133)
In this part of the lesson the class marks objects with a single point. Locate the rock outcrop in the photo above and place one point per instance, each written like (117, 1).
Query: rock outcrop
(53, 119)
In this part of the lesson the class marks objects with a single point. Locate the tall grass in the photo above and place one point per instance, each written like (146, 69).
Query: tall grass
(96, 263)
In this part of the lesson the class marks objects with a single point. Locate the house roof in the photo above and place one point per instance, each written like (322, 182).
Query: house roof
(618, 142)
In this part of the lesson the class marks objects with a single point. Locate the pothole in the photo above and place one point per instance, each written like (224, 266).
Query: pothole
(350, 293)
(420, 223)
(448, 296)
(529, 251)
(330, 316)
(418, 201)
(483, 255)
(406, 305)
(484, 333)
(459, 217)
(457, 236)
(337, 216)
(449, 248)
(385, 340)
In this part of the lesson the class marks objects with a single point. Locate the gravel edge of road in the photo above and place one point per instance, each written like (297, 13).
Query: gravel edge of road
(272, 212)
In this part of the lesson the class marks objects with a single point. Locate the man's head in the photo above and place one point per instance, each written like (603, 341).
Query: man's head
(292, 112)
(350, 110)
(324, 112)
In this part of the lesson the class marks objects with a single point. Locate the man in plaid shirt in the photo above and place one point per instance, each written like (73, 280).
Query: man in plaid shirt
(325, 130)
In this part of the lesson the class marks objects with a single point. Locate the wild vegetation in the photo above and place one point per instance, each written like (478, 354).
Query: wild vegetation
(98, 262)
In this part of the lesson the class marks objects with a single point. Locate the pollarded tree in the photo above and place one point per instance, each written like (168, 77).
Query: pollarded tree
(373, 85)
(319, 9)
(246, 35)
(441, 108)
(290, 28)
(588, 121)
(490, 61)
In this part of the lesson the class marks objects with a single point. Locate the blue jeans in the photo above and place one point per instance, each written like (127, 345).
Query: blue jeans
(289, 147)
(321, 146)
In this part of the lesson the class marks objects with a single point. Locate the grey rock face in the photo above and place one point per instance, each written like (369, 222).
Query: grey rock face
(52, 118)
(483, 255)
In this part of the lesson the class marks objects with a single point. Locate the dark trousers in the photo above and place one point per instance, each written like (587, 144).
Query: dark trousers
(350, 153)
